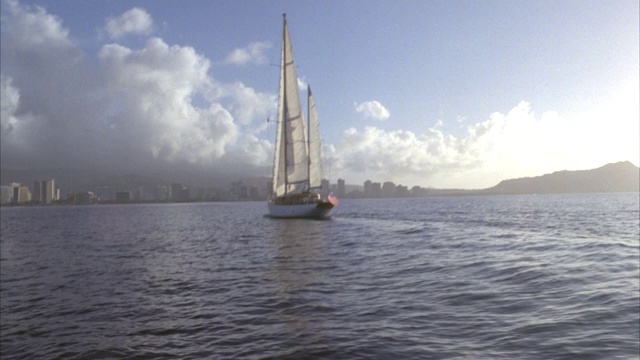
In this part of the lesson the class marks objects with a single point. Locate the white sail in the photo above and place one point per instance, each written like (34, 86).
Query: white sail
(296, 159)
(279, 169)
(291, 158)
(315, 144)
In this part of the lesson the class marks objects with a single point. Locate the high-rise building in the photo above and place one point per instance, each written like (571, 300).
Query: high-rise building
(325, 187)
(37, 189)
(179, 192)
(388, 189)
(342, 191)
(50, 192)
(6, 194)
(402, 191)
(45, 191)
(163, 193)
(368, 189)
(269, 187)
(123, 196)
(376, 188)
(105, 193)
(85, 198)
(21, 193)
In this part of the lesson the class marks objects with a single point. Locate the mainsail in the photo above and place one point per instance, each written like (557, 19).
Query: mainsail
(291, 156)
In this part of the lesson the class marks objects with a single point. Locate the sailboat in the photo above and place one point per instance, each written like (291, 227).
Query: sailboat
(297, 171)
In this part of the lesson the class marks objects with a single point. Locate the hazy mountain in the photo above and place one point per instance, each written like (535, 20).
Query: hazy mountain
(614, 177)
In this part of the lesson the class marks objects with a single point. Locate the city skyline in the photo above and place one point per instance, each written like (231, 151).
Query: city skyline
(48, 192)
(612, 177)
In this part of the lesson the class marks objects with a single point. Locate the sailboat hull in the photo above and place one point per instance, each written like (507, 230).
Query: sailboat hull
(318, 210)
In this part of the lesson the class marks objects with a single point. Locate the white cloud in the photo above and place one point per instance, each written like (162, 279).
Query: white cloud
(14, 128)
(32, 26)
(155, 87)
(248, 106)
(9, 100)
(396, 154)
(373, 110)
(251, 54)
(253, 151)
(302, 85)
(134, 109)
(135, 21)
(515, 144)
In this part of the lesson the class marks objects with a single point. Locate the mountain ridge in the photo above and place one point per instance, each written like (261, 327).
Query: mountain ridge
(622, 176)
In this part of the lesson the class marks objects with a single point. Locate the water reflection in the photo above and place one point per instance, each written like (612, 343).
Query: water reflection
(297, 272)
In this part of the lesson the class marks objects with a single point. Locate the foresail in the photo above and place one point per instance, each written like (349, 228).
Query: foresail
(296, 159)
(315, 145)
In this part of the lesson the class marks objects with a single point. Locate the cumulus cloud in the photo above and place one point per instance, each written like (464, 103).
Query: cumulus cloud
(302, 85)
(251, 54)
(248, 106)
(154, 88)
(135, 21)
(132, 109)
(373, 110)
(399, 154)
(9, 100)
(395, 154)
(254, 151)
(30, 26)
(513, 144)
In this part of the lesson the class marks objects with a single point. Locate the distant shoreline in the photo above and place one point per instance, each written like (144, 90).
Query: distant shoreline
(467, 193)
(610, 178)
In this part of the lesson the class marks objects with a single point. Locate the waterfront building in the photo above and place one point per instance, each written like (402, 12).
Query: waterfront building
(325, 186)
(388, 189)
(85, 198)
(105, 193)
(368, 189)
(123, 196)
(21, 193)
(6, 194)
(402, 191)
(45, 191)
(179, 192)
(163, 193)
(376, 189)
(342, 190)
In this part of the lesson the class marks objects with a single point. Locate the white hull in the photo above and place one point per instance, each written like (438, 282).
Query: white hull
(319, 210)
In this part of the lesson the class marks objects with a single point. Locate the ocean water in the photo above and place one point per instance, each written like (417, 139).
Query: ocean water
(496, 277)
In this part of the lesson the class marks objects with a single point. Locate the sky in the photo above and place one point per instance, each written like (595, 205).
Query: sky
(444, 94)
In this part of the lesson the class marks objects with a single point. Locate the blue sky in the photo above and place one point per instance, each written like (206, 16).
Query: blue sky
(430, 93)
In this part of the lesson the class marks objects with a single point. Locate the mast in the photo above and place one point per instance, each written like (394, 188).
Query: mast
(309, 134)
(279, 156)
(284, 92)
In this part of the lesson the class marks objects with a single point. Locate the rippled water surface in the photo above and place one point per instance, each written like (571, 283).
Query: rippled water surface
(462, 277)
